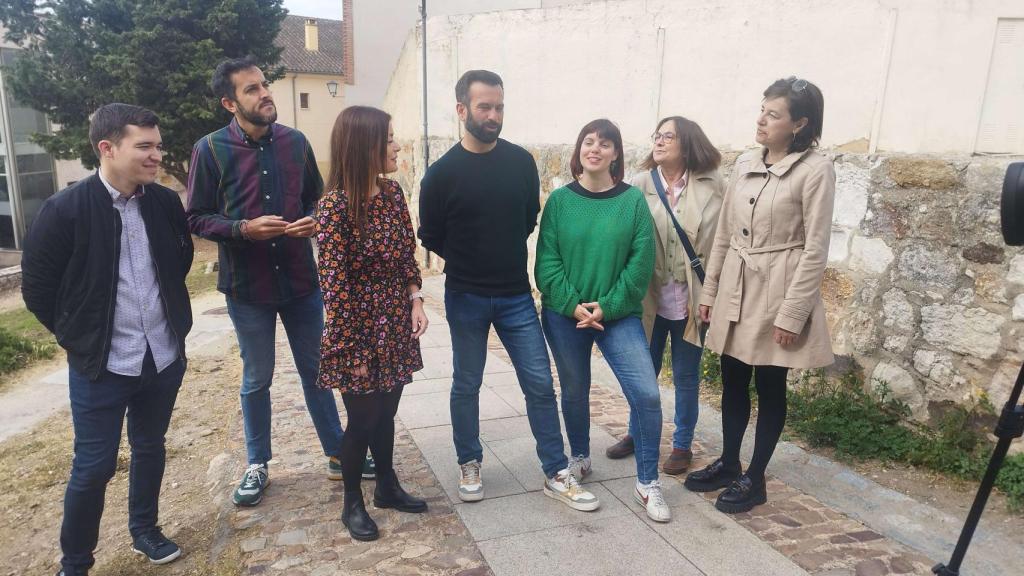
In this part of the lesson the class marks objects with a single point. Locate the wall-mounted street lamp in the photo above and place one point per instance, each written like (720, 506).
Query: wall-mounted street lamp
(332, 87)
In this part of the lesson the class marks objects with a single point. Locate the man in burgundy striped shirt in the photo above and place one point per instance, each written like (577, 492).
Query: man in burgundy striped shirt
(253, 186)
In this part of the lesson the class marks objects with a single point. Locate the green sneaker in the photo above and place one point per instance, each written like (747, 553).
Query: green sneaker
(334, 469)
(250, 490)
(369, 468)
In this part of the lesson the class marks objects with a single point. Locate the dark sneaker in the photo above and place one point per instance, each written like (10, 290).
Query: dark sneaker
(678, 462)
(621, 449)
(714, 476)
(741, 496)
(254, 482)
(369, 468)
(334, 469)
(156, 547)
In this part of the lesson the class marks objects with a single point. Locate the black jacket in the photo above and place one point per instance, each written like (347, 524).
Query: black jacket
(70, 267)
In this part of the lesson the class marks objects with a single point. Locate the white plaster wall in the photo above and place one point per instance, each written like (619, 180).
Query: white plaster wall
(916, 69)
(380, 30)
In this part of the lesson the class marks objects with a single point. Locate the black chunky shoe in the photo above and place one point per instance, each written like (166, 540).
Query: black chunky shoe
(741, 496)
(357, 520)
(389, 494)
(712, 477)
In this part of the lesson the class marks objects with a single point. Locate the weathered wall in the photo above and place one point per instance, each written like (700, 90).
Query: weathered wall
(920, 290)
(898, 75)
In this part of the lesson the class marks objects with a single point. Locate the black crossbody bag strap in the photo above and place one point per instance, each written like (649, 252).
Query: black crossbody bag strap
(695, 263)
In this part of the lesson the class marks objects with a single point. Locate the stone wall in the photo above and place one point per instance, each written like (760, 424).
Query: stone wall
(921, 292)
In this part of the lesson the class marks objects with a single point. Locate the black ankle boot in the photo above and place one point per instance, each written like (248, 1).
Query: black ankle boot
(741, 496)
(354, 516)
(712, 477)
(389, 494)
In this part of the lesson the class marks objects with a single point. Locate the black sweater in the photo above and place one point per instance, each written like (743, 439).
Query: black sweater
(476, 211)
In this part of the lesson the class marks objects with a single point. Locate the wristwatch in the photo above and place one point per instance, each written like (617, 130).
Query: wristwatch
(415, 295)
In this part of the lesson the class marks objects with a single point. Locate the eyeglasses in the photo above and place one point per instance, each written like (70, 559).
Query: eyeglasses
(797, 84)
(666, 137)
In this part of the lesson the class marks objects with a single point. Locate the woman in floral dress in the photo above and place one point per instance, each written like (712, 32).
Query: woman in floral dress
(374, 308)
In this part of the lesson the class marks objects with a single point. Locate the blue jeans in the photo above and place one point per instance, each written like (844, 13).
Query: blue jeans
(515, 320)
(685, 377)
(98, 411)
(255, 325)
(624, 347)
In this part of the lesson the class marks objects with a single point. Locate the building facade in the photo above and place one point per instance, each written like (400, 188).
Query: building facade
(312, 92)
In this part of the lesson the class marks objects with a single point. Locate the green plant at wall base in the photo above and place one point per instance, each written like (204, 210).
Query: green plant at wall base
(861, 424)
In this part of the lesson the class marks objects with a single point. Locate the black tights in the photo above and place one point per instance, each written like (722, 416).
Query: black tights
(770, 382)
(371, 422)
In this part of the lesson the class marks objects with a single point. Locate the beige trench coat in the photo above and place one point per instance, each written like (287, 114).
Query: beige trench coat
(698, 214)
(768, 261)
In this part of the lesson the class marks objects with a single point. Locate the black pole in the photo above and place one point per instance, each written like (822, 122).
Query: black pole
(426, 134)
(1011, 426)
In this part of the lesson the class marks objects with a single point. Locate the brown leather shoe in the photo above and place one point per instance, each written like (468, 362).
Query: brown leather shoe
(620, 449)
(678, 462)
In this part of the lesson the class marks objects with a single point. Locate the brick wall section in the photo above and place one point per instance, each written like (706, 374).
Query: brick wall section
(348, 50)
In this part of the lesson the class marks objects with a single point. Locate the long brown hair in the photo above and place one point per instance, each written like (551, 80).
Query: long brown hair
(359, 144)
(699, 154)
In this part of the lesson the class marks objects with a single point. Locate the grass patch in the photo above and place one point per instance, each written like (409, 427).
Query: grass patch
(23, 340)
(199, 282)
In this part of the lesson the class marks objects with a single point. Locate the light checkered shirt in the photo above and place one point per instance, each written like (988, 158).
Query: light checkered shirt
(139, 319)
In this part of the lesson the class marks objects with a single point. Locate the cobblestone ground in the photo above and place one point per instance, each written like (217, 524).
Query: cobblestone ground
(297, 528)
(819, 539)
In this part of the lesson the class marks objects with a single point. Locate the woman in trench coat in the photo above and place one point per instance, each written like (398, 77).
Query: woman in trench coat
(762, 293)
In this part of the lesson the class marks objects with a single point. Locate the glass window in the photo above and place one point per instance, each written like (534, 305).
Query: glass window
(32, 180)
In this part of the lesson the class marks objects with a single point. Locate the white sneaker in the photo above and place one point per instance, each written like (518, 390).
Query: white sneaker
(565, 487)
(471, 487)
(580, 466)
(650, 497)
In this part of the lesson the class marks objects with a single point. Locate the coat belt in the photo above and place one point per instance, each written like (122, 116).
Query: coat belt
(745, 253)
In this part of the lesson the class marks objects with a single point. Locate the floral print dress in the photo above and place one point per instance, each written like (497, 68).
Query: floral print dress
(365, 277)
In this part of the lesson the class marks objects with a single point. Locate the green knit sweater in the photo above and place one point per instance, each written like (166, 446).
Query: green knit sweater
(595, 247)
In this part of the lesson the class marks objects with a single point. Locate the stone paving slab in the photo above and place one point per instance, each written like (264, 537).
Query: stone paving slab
(433, 409)
(520, 456)
(521, 513)
(512, 394)
(600, 547)
(428, 387)
(439, 452)
(816, 537)
(711, 541)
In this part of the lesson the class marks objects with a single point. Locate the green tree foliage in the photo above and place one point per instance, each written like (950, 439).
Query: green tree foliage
(81, 54)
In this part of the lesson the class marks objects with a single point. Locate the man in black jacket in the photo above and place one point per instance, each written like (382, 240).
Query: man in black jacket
(104, 270)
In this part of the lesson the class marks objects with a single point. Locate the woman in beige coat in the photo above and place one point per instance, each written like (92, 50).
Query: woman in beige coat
(686, 163)
(762, 294)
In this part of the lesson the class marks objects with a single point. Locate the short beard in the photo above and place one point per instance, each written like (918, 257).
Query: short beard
(256, 119)
(478, 131)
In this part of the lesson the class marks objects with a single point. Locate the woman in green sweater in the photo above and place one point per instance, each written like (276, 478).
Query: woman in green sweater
(595, 257)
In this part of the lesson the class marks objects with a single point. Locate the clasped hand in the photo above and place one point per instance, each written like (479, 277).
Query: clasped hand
(272, 226)
(589, 315)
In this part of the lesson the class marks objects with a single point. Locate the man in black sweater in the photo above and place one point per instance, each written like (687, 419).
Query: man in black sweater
(478, 204)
